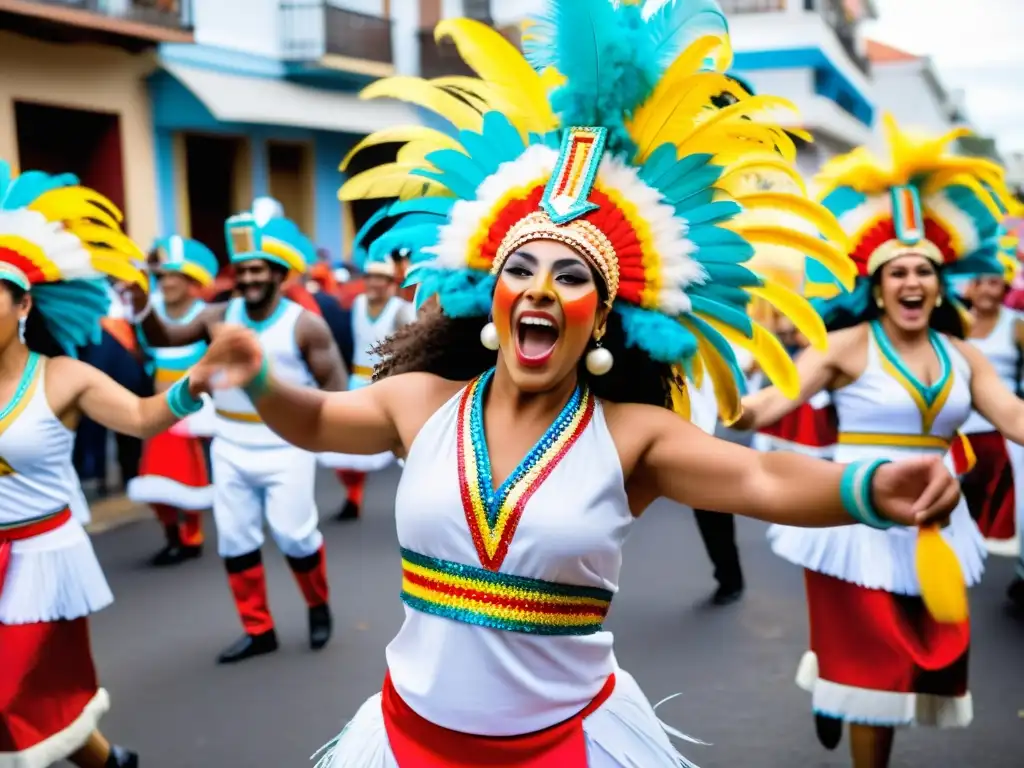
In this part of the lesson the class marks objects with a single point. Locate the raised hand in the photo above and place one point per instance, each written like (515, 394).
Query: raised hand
(918, 491)
(233, 359)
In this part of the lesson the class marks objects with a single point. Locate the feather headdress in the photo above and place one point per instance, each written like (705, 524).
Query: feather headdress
(188, 257)
(263, 234)
(62, 242)
(605, 136)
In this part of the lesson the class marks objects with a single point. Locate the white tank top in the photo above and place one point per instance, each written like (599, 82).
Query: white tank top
(1000, 347)
(172, 363)
(457, 662)
(368, 332)
(35, 448)
(887, 413)
(237, 420)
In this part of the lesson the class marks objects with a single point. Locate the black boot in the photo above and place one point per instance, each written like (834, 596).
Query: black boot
(320, 626)
(350, 511)
(829, 730)
(1015, 592)
(727, 594)
(122, 758)
(248, 646)
(175, 552)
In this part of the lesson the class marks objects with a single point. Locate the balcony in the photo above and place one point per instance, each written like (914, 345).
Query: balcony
(841, 17)
(442, 60)
(732, 7)
(133, 24)
(315, 31)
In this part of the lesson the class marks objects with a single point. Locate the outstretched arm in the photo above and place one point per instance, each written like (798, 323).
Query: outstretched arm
(79, 386)
(157, 333)
(682, 463)
(991, 397)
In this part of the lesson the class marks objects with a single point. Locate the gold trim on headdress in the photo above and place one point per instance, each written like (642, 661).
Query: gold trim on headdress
(579, 234)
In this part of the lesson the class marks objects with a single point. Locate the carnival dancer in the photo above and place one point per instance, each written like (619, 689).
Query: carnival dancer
(376, 314)
(58, 244)
(173, 476)
(996, 330)
(902, 382)
(256, 475)
(579, 255)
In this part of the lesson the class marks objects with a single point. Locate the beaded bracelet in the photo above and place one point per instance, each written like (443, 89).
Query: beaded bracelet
(260, 384)
(855, 490)
(180, 400)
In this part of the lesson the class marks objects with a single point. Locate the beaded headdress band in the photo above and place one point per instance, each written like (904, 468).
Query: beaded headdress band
(606, 136)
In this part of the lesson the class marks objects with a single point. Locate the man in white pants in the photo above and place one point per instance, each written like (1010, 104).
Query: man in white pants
(257, 476)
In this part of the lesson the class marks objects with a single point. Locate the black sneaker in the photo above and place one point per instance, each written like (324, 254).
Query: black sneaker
(122, 758)
(350, 511)
(829, 730)
(248, 646)
(320, 626)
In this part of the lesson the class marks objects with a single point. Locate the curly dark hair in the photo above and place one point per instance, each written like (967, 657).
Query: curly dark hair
(946, 318)
(450, 348)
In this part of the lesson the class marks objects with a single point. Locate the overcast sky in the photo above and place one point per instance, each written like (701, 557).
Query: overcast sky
(977, 46)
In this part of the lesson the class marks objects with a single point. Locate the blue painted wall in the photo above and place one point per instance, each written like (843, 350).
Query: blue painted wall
(176, 109)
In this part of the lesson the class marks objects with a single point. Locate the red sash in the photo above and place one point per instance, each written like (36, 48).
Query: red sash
(27, 531)
(417, 743)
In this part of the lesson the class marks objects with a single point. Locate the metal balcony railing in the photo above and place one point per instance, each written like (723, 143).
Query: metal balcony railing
(311, 29)
(839, 19)
(171, 14)
(752, 6)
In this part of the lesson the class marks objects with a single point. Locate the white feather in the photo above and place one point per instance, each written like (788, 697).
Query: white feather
(68, 254)
(953, 218)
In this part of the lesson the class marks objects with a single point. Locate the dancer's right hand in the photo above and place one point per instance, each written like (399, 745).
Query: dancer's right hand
(233, 359)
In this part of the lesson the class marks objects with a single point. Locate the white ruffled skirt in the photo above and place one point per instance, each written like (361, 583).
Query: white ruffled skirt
(624, 732)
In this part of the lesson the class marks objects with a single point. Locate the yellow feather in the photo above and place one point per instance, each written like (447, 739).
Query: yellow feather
(416, 90)
(70, 203)
(117, 267)
(747, 108)
(698, 372)
(552, 79)
(384, 181)
(114, 239)
(489, 96)
(496, 60)
(834, 260)
(726, 391)
(796, 308)
(734, 178)
(767, 350)
(680, 397)
(943, 588)
(402, 133)
(814, 213)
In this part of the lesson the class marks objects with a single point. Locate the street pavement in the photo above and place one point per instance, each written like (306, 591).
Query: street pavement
(734, 666)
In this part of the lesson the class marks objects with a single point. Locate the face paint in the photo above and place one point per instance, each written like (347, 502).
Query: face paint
(501, 308)
(580, 310)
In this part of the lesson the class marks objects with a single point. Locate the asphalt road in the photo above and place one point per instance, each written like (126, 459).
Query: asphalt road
(157, 644)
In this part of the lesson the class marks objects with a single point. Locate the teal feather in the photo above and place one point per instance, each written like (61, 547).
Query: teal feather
(853, 303)
(708, 235)
(713, 213)
(697, 199)
(723, 348)
(27, 188)
(730, 253)
(464, 293)
(732, 274)
(683, 184)
(415, 238)
(438, 206)
(658, 163)
(678, 23)
(660, 336)
(724, 314)
(981, 217)
(721, 293)
(487, 152)
(5, 180)
(842, 200)
(364, 231)
(679, 168)
(452, 163)
(72, 311)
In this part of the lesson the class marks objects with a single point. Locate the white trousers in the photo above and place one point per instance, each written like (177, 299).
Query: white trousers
(275, 484)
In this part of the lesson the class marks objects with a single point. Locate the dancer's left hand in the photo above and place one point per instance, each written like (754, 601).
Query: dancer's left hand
(918, 491)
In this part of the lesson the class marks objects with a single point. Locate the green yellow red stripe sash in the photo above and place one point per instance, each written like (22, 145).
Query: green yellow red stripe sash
(499, 600)
(493, 516)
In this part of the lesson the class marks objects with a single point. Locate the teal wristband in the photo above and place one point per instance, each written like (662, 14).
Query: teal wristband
(180, 400)
(855, 490)
(260, 384)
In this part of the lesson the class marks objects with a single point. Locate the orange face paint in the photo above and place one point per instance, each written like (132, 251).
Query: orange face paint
(501, 308)
(580, 311)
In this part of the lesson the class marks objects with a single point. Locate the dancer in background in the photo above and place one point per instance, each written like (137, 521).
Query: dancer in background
(258, 477)
(173, 476)
(58, 243)
(902, 382)
(580, 257)
(998, 333)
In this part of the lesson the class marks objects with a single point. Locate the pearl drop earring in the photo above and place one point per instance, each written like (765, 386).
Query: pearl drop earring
(22, 321)
(489, 336)
(599, 360)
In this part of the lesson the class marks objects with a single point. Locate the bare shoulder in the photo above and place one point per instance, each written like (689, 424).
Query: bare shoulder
(66, 379)
(635, 426)
(968, 351)
(411, 399)
(311, 324)
(848, 339)
(847, 353)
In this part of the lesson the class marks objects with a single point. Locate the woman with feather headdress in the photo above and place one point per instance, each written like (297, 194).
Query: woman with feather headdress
(582, 234)
(59, 244)
(888, 608)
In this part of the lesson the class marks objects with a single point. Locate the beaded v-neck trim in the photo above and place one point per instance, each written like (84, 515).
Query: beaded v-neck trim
(930, 399)
(493, 515)
(22, 393)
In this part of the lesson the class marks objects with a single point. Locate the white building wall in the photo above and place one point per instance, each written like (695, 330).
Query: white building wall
(251, 26)
(902, 88)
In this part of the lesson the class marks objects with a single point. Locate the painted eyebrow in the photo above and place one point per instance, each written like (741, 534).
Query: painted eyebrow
(559, 264)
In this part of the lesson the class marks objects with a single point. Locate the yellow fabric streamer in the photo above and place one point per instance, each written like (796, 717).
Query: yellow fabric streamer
(943, 588)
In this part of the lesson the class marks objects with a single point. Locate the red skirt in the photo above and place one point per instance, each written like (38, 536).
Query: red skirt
(988, 488)
(870, 644)
(807, 426)
(50, 701)
(418, 743)
(173, 471)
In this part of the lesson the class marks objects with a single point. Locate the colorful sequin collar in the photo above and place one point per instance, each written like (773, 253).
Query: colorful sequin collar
(930, 400)
(499, 600)
(493, 516)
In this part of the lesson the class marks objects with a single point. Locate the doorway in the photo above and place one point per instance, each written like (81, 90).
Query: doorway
(290, 175)
(61, 140)
(219, 184)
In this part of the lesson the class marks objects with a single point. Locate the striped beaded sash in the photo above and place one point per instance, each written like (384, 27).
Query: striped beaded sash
(500, 600)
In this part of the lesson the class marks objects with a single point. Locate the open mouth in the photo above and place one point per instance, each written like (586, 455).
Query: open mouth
(912, 303)
(536, 337)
